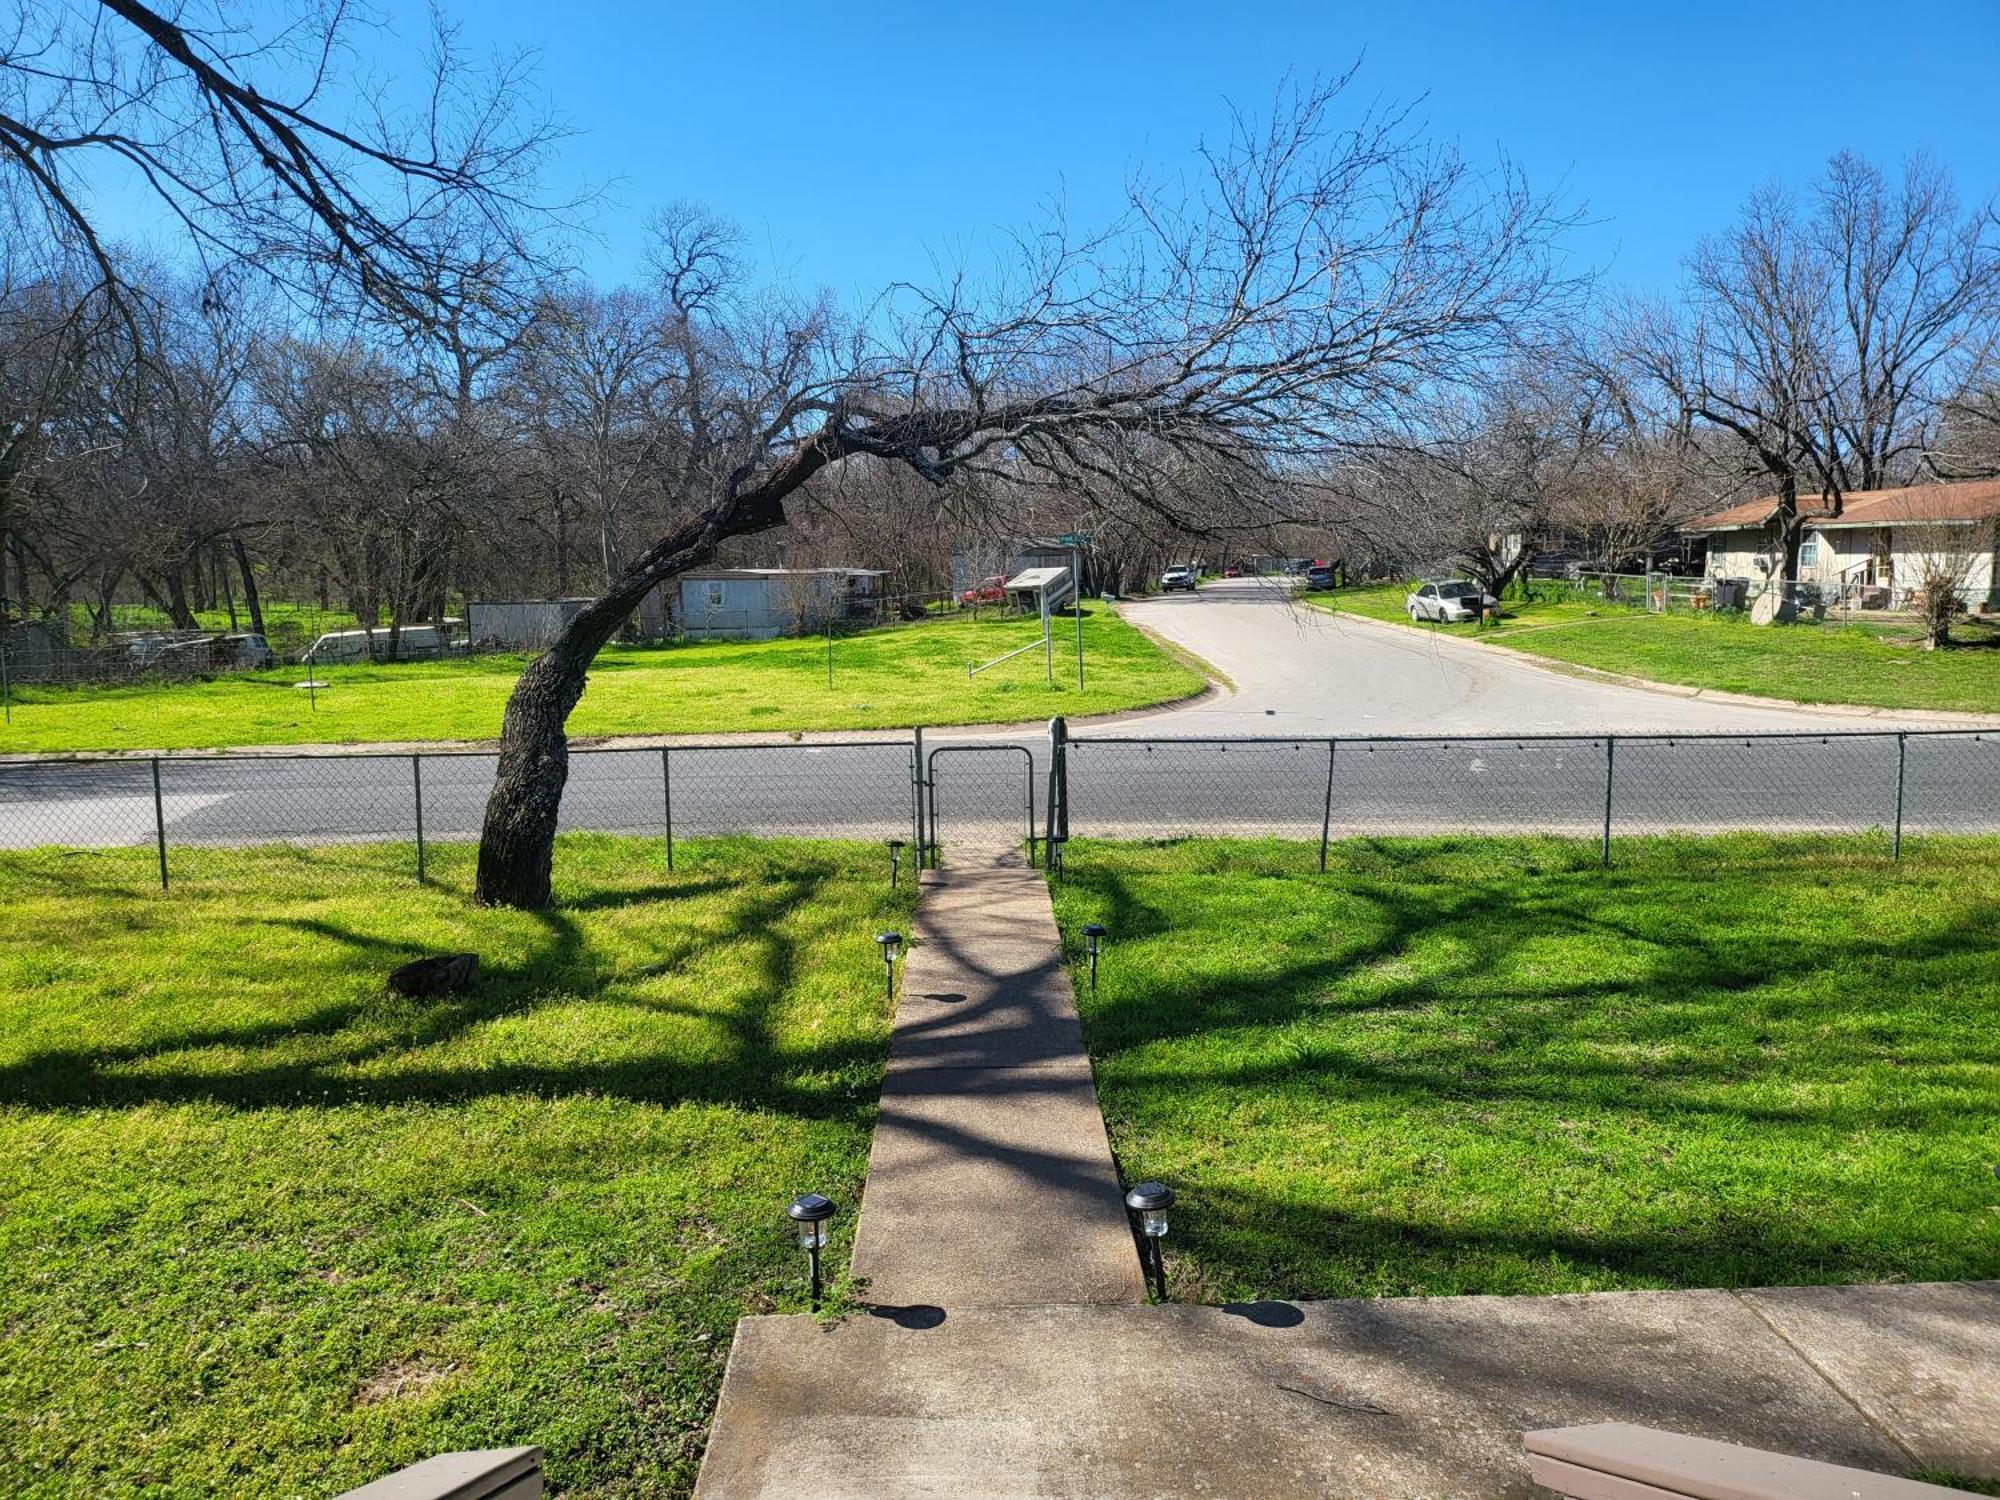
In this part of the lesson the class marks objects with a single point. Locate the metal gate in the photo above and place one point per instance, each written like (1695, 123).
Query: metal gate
(986, 801)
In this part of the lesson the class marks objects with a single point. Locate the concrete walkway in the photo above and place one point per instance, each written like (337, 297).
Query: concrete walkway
(990, 1181)
(1008, 1350)
(1414, 1399)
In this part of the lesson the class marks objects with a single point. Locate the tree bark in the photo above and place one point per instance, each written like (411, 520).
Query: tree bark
(251, 601)
(517, 840)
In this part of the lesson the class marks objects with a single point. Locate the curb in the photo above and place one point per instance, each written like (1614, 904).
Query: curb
(1941, 716)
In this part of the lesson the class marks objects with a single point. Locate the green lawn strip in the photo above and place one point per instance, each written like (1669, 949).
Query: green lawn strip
(1453, 1066)
(1876, 663)
(270, 1231)
(888, 678)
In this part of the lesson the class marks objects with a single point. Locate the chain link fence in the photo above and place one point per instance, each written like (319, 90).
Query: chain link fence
(195, 814)
(192, 815)
(1877, 785)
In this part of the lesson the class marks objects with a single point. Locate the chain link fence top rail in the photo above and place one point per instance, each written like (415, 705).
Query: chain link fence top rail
(1848, 782)
(195, 808)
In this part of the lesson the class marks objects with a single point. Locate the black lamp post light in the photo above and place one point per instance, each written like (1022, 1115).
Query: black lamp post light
(809, 1213)
(895, 863)
(1149, 1201)
(889, 942)
(1092, 936)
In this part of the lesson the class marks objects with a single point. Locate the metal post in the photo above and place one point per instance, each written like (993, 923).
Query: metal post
(6, 687)
(159, 823)
(1159, 1269)
(917, 793)
(667, 800)
(829, 647)
(813, 1255)
(1029, 790)
(417, 784)
(1902, 755)
(1076, 596)
(1048, 636)
(1326, 816)
(1610, 760)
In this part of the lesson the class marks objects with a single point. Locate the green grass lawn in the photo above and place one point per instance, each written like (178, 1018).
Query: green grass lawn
(1876, 663)
(1490, 1066)
(268, 1231)
(887, 678)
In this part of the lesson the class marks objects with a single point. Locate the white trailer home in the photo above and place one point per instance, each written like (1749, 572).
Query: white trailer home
(760, 604)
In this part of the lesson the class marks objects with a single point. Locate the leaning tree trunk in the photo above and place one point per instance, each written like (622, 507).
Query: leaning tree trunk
(517, 841)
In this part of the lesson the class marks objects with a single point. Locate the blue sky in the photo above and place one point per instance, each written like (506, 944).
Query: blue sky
(858, 145)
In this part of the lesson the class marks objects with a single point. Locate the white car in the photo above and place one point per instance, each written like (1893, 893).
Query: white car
(1177, 578)
(1449, 603)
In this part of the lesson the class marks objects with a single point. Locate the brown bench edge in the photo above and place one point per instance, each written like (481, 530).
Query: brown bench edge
(1623, 1461)
(485, 1474)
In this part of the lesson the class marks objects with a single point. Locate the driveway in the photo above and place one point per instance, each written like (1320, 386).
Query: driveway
(1299, 670)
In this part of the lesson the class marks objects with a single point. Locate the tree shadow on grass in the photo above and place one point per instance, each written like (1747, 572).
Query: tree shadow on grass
(753, 1066)
(1694, 1021)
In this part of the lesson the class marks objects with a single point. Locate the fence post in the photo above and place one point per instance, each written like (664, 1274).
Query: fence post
(417, 783)
(667, 800)
(1610, 762)
(1058, 752)
(1902, 750)
(1326, 814)
(159, 823)
(917, 794)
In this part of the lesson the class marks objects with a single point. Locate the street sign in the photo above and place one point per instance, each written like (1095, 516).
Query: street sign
(1075, 538)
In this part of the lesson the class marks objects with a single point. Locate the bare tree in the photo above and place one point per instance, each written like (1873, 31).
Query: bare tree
(253, 143)
(1309, 296)
(1819, 344)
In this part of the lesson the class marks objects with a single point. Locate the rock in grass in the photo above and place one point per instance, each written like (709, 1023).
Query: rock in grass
(440, 974)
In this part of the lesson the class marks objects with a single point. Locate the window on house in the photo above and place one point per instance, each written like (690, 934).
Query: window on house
(715, 595)
(1809, 552)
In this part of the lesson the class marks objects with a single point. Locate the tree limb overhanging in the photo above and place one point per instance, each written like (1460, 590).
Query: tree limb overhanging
(1310, 296)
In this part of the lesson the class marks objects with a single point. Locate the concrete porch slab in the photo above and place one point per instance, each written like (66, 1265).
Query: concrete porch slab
(1414, 1399)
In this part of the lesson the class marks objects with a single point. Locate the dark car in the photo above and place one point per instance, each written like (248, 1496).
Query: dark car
(1319, 575)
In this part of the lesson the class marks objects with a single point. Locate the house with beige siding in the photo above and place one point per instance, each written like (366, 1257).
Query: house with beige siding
(1868, 549)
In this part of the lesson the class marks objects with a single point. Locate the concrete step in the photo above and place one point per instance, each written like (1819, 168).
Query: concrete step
(1410, 1399)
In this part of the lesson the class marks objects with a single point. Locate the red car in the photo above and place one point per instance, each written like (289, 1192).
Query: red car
(1232, 571)
(987, 591)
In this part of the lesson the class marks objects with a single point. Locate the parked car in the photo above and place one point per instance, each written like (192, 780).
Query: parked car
(1449, 602)
(987, 591)
(245, 651)
(1178, 577)
(413, 643)
(1232, 571)
(1319, 575)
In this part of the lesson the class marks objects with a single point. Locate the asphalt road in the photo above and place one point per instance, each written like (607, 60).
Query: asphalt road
(1298, 676)
(1299, 670)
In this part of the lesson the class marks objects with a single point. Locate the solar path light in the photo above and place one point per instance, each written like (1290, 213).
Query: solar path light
(809, 1213)
(1149, 1201)
(1092, 936)
(890, 942)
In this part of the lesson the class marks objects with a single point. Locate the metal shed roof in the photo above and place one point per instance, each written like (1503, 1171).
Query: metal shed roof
(1036, 579)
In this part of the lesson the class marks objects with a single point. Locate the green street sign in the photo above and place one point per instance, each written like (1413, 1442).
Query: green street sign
(1076, 538)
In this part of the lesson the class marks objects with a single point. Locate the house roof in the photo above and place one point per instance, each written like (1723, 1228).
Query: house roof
(1973, 500)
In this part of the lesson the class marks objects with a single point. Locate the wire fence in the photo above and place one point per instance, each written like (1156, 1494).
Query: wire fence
(1876, 785)
(36, 654)
(177, 816)
(1840, 600)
